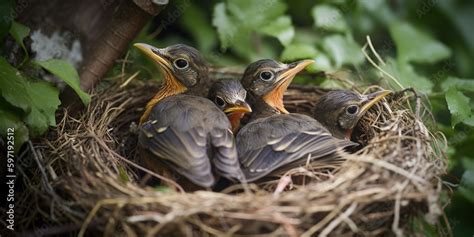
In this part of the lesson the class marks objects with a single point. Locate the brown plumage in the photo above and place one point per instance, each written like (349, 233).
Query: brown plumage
(183, 133)
(192, 79)
(340, 110)
(229, 96)
(274, 139)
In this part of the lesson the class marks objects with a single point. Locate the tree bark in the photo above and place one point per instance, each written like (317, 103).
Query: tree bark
(123, 28)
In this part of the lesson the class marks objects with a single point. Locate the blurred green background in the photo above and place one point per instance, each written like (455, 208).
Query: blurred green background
(427, 45)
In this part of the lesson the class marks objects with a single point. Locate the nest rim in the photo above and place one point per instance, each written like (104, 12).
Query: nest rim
(335, 205)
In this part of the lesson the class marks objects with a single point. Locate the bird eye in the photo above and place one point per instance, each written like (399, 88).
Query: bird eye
(181, 63)
(266, 75)
(219, 101)
(352, 109)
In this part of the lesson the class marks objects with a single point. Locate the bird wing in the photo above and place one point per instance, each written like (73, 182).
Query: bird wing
(183, 131)
(225, 158)
(185, 152)
(270, 143)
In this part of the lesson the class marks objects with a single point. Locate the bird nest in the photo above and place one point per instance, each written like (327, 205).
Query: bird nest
(84, 179)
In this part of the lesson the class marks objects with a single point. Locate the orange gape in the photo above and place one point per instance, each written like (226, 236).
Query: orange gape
(170, 87)
(234, 119)
(275, 98)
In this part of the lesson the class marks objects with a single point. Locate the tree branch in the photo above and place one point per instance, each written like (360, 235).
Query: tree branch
(127, 22)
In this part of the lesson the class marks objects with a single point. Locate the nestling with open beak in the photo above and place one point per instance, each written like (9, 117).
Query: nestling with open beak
(274, 139)
(340, 110)
(229, 95)
(181, 133)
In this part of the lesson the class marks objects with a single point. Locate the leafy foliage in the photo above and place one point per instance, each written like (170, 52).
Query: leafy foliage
(9, 119)
(237, 21)
(458, 84)
(327, 17)
(407, 76)
(459, 106)
(19, 32)
(299, 51)
(413, 45)
(29, 104)
(281, 28)
(343, 50)
(37, 100)
(68, 74)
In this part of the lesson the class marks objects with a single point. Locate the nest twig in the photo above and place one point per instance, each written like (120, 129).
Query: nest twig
(83, 182)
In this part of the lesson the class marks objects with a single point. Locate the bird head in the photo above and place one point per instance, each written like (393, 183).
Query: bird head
(269, 79)
(340, 110)
(183, 67)
(229, 96)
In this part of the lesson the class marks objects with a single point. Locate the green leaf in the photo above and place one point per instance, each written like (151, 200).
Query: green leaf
(343, 50)
(38, 100)
(238, 23)
(235, 20)
(460, 84)
(13, 86)
(469, 121)
(328, 18)
(280, 28)
(298, 51)
(414, 45)
(378, 9)
(7, 11)
(458, 105)
(205, 36)
(466, 187)
(331, 84)
(306, 36)
(8, 121)
(254, 14)
(407, 76)
(68, 74)
(224, 25)
(19, 32)
(321, 63)
(44, 103)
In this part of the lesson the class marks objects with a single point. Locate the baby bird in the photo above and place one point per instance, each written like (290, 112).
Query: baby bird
(180, 132)
(274, 139)
(340, 110)
(229, 95)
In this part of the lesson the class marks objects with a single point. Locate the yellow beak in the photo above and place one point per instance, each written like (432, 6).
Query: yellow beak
(372, 99)
(293, 69)
(275, 97)
(155, 54)
(240, 106)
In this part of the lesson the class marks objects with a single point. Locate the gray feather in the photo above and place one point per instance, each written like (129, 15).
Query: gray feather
(270, 143)
(187, 133)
